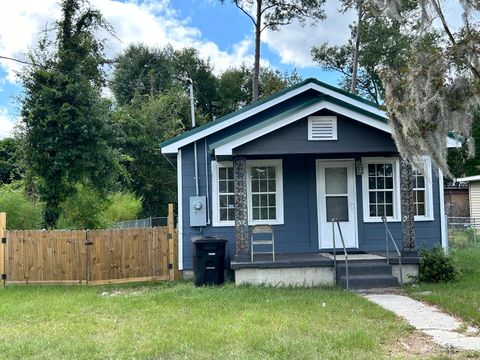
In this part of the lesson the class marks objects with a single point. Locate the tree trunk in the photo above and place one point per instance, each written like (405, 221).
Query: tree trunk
(357, 47)
(256, 60)
(408, 215)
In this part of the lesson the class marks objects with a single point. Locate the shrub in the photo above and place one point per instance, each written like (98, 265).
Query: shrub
(123, 206)
(83, 210)
(436, 266)
(22, 213)
(87, 209)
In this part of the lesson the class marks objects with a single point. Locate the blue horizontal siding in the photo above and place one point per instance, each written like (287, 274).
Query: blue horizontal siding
(352, 135)
(299, 233)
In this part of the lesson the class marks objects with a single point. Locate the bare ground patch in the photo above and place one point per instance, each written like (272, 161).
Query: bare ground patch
(420, 346)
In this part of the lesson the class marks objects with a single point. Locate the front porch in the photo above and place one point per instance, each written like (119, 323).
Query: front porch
(317, 269)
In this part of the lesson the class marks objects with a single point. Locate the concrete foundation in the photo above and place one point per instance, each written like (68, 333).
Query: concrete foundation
(409, 272)
(300, 276)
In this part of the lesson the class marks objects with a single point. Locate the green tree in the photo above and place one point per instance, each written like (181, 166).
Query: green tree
(188, 63)
(459, 161)
(140, 71)
(374, 41)
(9, 160)
(273, 14)
(123, 206)
(439, 85)
(234, 86)
(22, 212)
(144, 124)
(66, 130)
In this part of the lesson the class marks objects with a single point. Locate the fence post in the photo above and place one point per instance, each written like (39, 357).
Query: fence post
(88, 244)
(3, 259)
(447, 236)
(474, 232)
(172, 260)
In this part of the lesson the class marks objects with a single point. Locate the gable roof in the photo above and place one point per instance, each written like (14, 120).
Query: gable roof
(172, 145)
(331, 96)
(226, 145)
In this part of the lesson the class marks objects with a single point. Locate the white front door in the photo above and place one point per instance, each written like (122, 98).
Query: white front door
(336, 199)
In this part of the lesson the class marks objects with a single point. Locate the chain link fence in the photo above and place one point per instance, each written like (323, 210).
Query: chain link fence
(141, 223)
(463, 232)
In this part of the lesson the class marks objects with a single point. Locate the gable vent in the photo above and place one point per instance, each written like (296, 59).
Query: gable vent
(322, 128)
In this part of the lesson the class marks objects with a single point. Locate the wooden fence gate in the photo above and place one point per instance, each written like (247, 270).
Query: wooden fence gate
(90, 257)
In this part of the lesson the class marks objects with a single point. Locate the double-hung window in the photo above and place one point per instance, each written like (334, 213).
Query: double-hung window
(223, 194)
(264, 192)
(380, 189)
(264, 188)
(422, 191)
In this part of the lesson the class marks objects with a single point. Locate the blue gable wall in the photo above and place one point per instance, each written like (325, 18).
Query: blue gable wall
(365, 138)
(299, 233)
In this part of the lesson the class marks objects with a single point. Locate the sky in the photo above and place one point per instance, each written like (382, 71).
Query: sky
(220, 33)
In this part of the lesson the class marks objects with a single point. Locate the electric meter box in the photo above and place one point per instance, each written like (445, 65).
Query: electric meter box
(198, 211)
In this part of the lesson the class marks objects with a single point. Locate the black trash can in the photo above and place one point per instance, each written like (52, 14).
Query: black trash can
(208, 260)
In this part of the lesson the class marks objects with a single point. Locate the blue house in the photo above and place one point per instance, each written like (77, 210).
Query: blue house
(296, 160)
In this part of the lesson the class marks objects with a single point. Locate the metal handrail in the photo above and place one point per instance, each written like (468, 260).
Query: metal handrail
(399, 254)
(335, 220)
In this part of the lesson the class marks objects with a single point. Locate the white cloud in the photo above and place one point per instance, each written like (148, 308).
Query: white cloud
(7, 122)
(154, 23)
(293, 42)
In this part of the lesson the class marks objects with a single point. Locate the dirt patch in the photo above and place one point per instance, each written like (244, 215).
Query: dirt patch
(420, 346)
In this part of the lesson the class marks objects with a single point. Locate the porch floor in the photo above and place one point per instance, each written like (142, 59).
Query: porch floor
(318, 259)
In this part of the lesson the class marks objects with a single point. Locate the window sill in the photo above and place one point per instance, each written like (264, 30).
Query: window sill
(261, 222)
(423, 219)
(250, 223)
(379, 220)
(223, 224)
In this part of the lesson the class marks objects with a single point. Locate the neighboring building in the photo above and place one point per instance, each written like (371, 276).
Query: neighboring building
(473, 194)
(295, 160)
(456, 201)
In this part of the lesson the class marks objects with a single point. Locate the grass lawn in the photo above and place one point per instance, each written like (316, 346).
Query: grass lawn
(176, 320)
(461, 298)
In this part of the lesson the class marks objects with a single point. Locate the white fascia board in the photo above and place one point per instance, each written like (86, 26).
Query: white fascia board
(452, 143)
(469, 178)
(226, 150)
(349, 100)
(173, 148)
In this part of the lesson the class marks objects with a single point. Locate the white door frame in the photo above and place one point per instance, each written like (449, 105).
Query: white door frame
(320, 208)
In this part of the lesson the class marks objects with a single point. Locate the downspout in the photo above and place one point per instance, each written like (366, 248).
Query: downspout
(206, 182)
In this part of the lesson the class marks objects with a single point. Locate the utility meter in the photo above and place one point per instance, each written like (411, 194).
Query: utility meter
(198, 211)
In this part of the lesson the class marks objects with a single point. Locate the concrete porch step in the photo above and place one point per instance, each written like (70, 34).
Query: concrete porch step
(357, 282)
(365, 268)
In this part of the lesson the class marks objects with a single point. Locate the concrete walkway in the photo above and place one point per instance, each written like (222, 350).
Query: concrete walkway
(443, 328)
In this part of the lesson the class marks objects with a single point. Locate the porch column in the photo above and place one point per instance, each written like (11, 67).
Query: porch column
(408, 215)
(242, 241)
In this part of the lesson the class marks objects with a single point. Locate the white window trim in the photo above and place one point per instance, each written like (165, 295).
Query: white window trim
(216, 194)
(277, 163)
(396, 189)
(427, 175)
(216, 165)
(333, 120)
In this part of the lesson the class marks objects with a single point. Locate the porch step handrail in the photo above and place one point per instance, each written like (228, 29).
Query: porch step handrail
(335, 220)
(388, 235)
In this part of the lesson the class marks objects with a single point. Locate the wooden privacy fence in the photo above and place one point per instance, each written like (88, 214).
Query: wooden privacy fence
(91, 257)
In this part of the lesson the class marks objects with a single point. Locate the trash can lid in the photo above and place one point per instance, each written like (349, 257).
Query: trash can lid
(208, 239)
